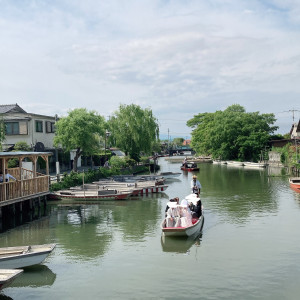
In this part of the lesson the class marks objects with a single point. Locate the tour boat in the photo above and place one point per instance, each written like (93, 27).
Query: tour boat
(184, 229)
(7, 276)
(295, 183)
(190, 167)
(24, 256)
(196, 226)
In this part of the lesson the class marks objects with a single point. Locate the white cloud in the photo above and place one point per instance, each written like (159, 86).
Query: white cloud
(178, 57)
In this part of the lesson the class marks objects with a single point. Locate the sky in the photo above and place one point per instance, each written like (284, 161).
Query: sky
(178, 58)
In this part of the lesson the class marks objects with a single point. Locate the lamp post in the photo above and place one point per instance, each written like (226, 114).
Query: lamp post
(107, 134)
(56, 156)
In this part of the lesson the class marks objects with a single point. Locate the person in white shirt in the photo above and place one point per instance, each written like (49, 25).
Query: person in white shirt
(7, 177)
(196, 185)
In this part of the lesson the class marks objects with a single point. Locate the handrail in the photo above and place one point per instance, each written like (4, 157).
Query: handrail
(23, 188)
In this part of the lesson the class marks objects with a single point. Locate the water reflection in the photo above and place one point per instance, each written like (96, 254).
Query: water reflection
(237, 193)
(35, 276)
(139, 219)
(179, 245)
(84, 232)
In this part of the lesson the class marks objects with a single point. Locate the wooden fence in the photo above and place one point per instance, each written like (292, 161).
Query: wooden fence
(26, 185)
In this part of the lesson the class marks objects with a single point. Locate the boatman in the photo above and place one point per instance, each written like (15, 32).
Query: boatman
(195, 185)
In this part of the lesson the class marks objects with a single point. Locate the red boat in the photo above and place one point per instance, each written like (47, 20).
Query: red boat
(295, 183)
(190, 167)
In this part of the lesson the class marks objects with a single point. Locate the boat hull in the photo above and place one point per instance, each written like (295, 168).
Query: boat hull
(108, 197)
(295, 184)
(189, 169)
(7, 276)
(183, 231)
(36, 255)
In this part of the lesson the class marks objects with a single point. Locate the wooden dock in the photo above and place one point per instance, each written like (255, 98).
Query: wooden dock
(27, 185)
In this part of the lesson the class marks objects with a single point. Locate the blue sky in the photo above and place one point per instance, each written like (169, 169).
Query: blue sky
(179, 58)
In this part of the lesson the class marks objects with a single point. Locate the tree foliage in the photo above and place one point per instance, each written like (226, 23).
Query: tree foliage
(2, 132)
(80, 131)
(178, 141)
(134, 130)
(232, 133)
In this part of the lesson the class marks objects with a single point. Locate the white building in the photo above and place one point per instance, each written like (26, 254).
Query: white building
(20, 126)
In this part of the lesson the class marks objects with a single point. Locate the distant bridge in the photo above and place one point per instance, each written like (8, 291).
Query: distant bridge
(180, 150)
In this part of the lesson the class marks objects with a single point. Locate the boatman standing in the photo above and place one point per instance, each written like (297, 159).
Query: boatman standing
(195, 185)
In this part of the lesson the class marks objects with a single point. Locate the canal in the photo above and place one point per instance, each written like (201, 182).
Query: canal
(249, 248)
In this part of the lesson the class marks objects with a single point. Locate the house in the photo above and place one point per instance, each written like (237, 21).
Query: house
(186, 143)
(34, 129)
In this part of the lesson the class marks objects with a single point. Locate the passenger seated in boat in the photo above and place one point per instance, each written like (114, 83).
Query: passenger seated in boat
(174, 200)
(185, 213)
(172, 215)
(196, 209)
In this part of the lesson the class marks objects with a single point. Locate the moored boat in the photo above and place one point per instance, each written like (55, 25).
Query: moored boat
(24, 256)
(235, 163)
(7, 276)
(169, 175)
(101, 195)
(249, 164)
(295, 183)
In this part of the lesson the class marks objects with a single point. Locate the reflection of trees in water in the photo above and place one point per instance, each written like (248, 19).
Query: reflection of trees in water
(84, 232)
(138, 217)
(237, 192)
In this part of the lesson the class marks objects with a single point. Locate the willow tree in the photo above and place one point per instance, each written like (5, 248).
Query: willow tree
(232, 133)
(133, 130)
(80, 131)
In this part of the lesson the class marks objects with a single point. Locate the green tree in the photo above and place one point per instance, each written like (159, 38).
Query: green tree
(134, 130)
(232, 133)
(80, 131)
(178, 141)
(2, 132)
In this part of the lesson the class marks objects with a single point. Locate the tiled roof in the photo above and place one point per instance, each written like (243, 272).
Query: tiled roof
(11, 108)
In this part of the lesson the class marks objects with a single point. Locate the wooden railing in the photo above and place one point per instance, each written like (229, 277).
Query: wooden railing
(23, 188)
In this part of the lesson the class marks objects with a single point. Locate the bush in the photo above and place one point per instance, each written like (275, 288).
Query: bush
(117, 162)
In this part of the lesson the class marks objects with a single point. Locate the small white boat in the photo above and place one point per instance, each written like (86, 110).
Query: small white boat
(7, 276)
(24, 256)
(249, 164)
(235, 163)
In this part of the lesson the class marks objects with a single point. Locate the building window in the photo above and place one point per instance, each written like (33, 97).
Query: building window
(12, 128)
(39, 126)
(50, 128)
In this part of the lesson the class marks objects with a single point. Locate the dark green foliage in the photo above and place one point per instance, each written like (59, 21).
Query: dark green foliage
(232, 134)
(134, 130)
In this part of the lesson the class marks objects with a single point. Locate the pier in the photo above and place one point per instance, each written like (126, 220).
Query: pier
(26, 190)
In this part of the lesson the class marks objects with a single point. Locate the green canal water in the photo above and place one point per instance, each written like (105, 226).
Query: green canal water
(249, 248)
